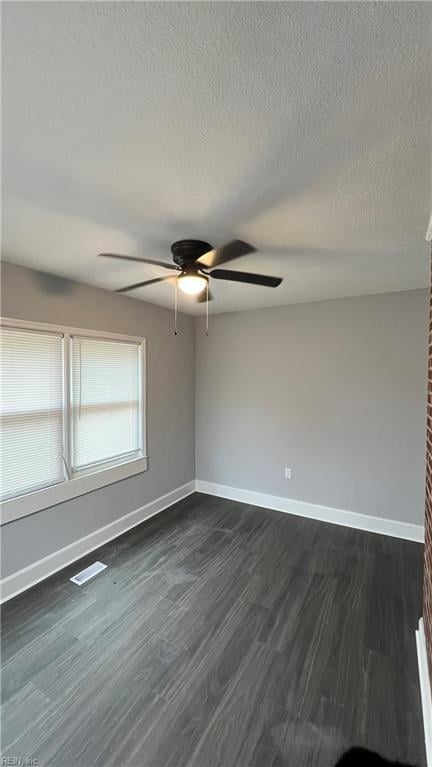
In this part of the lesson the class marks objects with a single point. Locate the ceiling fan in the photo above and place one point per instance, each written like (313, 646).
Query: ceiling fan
(192, 259)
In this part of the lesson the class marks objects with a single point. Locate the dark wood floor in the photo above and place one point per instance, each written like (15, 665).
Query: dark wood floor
(221, 635)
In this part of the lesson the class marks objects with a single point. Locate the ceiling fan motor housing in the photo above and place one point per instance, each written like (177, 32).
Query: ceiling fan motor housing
(186, 252)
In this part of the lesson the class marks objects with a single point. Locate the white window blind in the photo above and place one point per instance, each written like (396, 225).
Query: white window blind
(31, 409)
(105, 401)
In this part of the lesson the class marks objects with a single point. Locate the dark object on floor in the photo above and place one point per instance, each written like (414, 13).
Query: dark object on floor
(361, 757)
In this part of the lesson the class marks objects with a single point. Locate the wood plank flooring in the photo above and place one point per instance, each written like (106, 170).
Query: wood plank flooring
(221, 635)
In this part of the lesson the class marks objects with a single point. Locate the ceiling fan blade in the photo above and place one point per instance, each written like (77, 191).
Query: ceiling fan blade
(228, 252)
(201, 297)
(163, 264)
(249, 277)
(141, 284)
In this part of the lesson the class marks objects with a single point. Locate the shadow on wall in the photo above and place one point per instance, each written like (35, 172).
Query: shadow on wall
(53, 285)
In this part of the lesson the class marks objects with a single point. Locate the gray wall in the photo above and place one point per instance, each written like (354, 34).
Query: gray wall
(334, 389)
(32, 295)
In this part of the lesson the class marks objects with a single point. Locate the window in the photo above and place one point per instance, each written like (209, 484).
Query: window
(105, 401)
(31, 411)
(72, 413)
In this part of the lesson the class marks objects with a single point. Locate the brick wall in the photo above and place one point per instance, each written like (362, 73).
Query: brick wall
(427, 592)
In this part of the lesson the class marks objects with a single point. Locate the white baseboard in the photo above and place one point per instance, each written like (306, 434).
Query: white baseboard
(314, 511)
(425, 690)
(23, 579)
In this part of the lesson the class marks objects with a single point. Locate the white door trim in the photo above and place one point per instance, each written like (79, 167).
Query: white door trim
(425, 690)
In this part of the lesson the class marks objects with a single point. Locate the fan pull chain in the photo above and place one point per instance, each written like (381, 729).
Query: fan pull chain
(175, 309)
(207, 309)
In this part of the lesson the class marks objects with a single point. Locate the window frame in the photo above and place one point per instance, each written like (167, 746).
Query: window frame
(87, 480)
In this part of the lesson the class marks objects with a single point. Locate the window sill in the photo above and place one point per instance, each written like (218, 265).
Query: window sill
(15, 508)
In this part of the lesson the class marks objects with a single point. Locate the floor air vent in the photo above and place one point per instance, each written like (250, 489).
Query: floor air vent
(88, 573)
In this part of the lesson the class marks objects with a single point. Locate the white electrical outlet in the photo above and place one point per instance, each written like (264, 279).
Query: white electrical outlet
(288, 473)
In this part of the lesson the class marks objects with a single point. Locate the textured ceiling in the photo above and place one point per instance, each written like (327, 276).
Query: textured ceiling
(304, 128)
